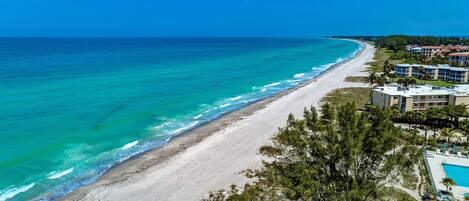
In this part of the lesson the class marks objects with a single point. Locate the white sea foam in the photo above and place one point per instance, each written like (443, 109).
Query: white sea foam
(225, 105)
(325, 66)
(58, 174)
(160, 126)
(299, 75)
(130, 145)
(235, 98)
(293, 81)
(198, 116)
(209, 110)
(273, 84)
(12, 192)
(251, 100)
(263, 89)
(179, 130)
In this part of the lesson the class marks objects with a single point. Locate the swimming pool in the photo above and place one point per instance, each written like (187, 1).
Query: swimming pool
(459, 174)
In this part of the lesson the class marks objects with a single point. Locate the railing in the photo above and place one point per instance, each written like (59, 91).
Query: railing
(430, 100)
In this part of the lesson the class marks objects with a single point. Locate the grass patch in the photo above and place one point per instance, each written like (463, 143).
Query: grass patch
(409, 180)
(435, 82)
(426, 183)
(430, 82)
(378, 60)
(359, 95)
(383, 54)
(394, 194)
(360, 79)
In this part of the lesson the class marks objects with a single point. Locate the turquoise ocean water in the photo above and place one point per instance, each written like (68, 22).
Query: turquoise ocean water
(70, 108)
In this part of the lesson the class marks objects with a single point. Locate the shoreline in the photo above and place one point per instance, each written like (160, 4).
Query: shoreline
(139, 165)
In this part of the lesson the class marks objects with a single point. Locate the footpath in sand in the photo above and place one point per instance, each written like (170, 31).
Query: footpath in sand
(216, 161)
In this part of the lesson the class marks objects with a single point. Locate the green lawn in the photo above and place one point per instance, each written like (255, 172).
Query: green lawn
(435, 82)
(409, 180)
(438, 83)
(383, 54)
(359, 95)
(358, 79)
(378, 60)
(394, 194)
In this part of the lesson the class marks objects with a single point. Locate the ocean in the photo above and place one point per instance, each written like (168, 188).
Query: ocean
(71, 108)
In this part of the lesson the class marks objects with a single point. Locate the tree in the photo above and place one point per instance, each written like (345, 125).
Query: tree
(339, 155)
(411, 81)
(371, 79)
(464, 127)
(415, 117)
(387, 69)
(421, 71)
(447, 133)
(406, 82)
(456, 111)
(448, 183)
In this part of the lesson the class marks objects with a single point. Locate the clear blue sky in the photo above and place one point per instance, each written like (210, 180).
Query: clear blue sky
(278, 18)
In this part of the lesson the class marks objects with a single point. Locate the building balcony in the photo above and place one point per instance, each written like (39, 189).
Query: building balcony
(430, 101)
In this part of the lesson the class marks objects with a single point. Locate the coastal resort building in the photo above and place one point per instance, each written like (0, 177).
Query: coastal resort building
(419, 97)
(461, 58)
(415, 50)
(431, 51)
(438, 72)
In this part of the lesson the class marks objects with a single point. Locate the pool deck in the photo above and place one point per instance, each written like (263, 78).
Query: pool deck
(435, 163)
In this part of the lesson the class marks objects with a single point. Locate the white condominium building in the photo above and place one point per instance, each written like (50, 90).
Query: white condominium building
(462, 58)
(438, 72)
(419, 97)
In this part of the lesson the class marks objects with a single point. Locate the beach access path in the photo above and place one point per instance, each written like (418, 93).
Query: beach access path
(217, 161)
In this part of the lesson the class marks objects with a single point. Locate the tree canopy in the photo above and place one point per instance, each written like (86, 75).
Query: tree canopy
(340, 154)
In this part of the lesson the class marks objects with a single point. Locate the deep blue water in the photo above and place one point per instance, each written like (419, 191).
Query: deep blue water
(71, 108)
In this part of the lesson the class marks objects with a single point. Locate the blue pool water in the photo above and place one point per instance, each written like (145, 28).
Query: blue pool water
(459, 174)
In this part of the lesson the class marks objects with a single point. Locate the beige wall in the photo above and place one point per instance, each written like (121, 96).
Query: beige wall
(383, 100)
(458, 100)
(379, 99)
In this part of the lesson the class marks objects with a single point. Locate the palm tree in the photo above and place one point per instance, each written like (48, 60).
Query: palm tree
(464, 126)
(372, 79)
(412, 82)
(448, 183)
(387, 68)
(447, 133)
(421, 70)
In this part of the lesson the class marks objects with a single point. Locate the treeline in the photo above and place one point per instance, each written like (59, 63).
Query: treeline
(399, 42)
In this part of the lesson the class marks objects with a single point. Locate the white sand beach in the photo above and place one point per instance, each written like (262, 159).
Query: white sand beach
(216, 161)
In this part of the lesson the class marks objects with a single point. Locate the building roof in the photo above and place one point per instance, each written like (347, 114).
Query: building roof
(423, 90)
(460, 54)
(439, 66)
(455, 47)
(433, 47)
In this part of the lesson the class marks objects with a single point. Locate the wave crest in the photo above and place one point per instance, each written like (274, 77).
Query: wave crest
(12, 192)
(130, 145)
